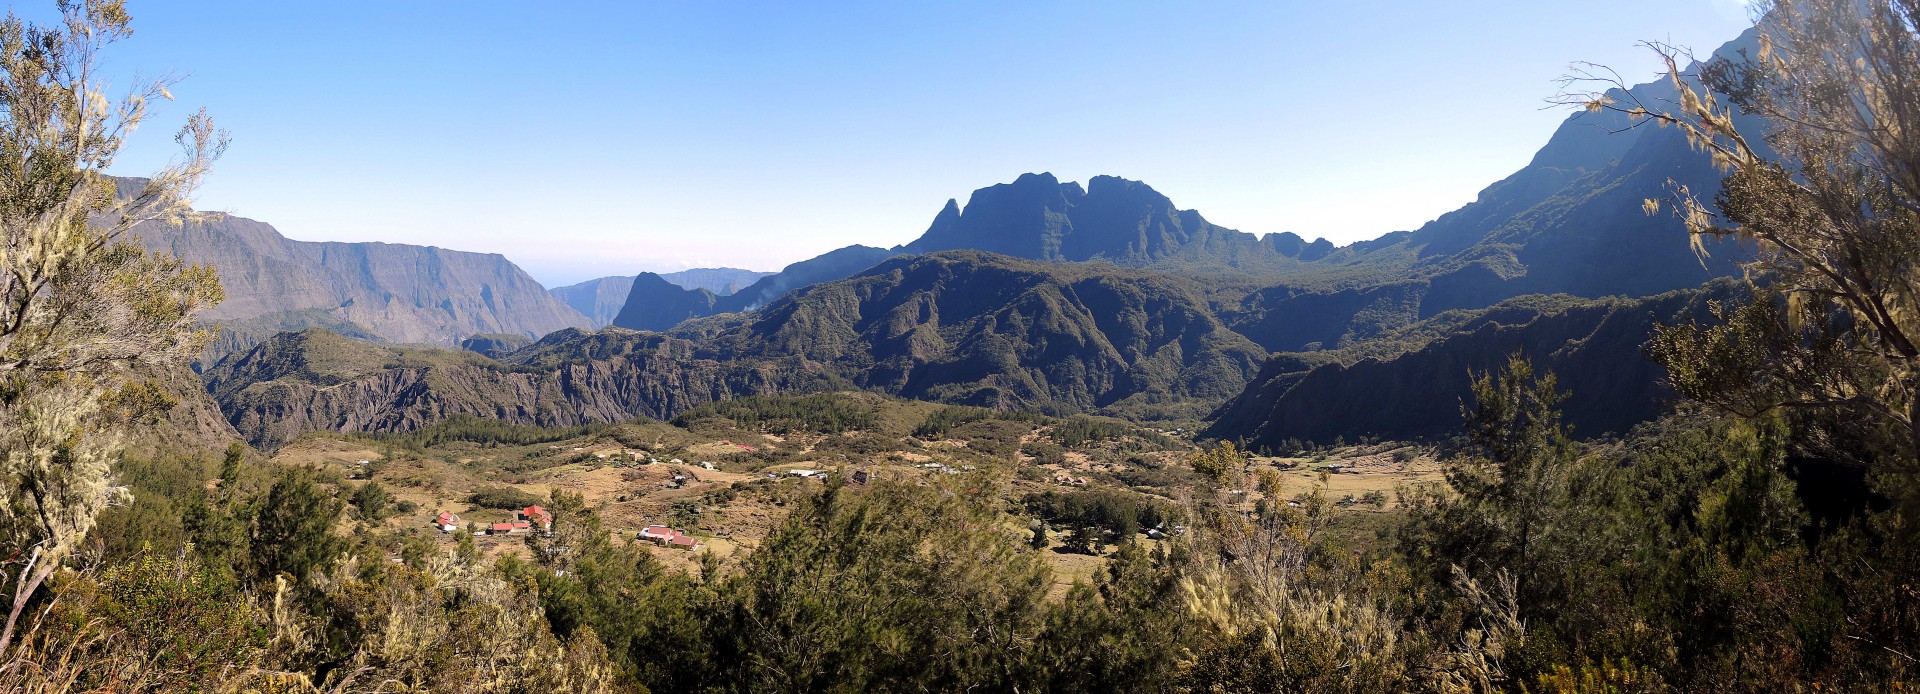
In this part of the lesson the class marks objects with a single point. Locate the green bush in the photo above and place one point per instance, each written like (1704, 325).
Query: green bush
(502, 498)
(780, 415)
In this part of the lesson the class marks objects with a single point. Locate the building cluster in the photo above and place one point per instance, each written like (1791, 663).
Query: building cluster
(525, 521)
(663, 535)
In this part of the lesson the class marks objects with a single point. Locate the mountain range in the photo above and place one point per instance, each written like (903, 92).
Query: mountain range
(382, 291)
(959, 326)
(1036, 294)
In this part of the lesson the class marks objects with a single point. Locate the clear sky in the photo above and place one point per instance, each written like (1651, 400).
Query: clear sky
(583, 140)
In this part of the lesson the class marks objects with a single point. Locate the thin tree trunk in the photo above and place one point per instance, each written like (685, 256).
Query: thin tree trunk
(30, 580)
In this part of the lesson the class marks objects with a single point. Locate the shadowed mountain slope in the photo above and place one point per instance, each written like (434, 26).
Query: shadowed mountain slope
(1411, 385)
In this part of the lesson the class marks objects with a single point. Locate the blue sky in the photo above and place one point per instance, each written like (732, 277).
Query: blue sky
(583, 140)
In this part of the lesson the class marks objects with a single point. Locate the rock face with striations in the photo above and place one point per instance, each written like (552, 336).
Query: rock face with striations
(394, 292)
(315, 380)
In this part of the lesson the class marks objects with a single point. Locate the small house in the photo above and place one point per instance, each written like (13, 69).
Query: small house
(663, 535)
(446, 521)
(500, 529)
(538, 516)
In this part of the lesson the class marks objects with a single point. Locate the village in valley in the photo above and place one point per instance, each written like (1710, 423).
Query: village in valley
(716, 484)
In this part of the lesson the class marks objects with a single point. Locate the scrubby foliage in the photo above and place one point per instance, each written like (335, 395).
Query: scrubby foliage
(1121, 513)
(820, 413)
(502, 498)
(471, 429)
(944, 420)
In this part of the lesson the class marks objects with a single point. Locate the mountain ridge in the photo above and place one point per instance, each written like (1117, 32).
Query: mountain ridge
(396, 292)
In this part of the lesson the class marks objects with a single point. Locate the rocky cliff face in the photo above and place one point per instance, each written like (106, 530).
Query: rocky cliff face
(317, 381)
(396, 292)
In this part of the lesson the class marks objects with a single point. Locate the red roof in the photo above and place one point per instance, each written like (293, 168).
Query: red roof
(683, 540)
(502, 527)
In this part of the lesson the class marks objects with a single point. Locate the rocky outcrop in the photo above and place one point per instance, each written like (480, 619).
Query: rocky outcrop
(314, 380)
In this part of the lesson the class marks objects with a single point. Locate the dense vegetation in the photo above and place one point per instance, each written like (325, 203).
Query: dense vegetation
(472, 429)
(942, 421)
(823, 414)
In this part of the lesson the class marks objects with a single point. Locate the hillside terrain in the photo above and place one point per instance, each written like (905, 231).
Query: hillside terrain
(1411, 385)
(1048, 337)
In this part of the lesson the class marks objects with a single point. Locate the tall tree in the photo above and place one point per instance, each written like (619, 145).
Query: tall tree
(81, 307)
(293, 528)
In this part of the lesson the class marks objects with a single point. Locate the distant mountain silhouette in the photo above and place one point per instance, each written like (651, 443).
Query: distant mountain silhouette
(722, 281)
(597, 299)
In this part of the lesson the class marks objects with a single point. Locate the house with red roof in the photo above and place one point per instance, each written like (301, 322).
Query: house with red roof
(663, 535)
(537, 516)
(446, 521)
